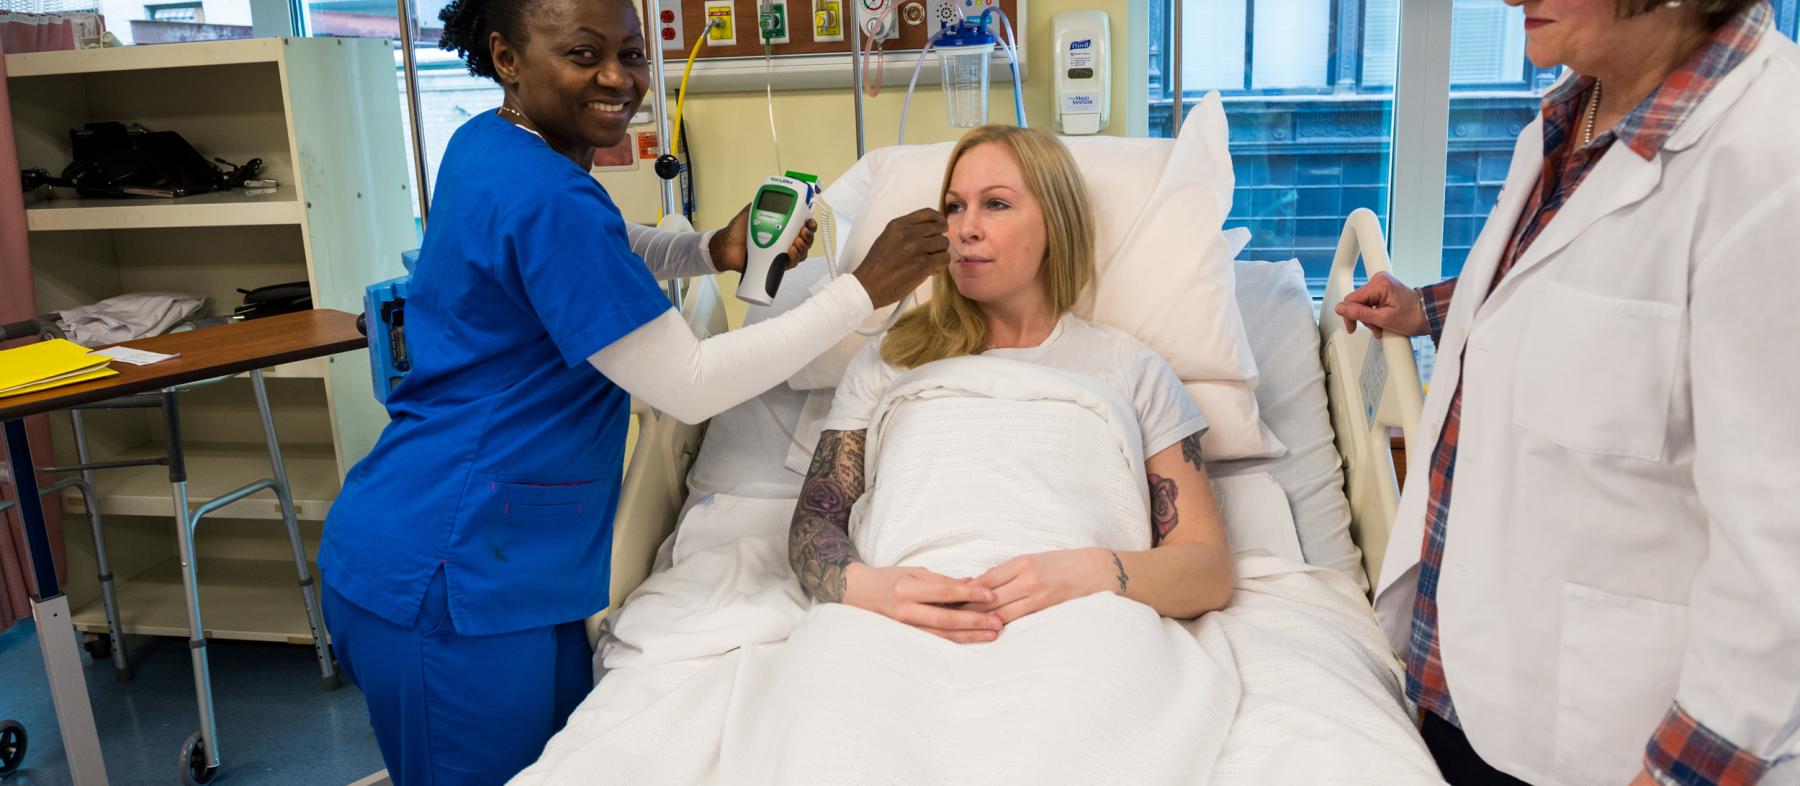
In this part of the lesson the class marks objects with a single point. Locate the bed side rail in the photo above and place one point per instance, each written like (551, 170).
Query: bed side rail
(1371, 391)
(655, 484)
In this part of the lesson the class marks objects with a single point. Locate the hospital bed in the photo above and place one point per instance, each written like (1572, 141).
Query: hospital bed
(1324, 710)
(1370, 386)
(1293, 681)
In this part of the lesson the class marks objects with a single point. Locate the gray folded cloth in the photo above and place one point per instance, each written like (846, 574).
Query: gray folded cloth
(126, 317)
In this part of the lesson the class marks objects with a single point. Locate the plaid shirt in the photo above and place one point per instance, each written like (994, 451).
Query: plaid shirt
(1682, 750)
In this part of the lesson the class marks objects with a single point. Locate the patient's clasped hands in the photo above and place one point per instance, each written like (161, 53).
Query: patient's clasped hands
(925, 600)
(971, 610)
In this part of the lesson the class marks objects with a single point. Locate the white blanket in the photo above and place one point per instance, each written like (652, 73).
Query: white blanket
(716, 672)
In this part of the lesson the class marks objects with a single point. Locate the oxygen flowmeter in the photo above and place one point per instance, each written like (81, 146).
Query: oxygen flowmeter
(781, 208)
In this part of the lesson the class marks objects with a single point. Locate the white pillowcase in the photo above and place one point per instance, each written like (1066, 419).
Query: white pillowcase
(1164, 269)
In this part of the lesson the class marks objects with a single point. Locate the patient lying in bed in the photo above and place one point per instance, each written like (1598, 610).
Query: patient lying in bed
(1033, 487)
(1019, 219)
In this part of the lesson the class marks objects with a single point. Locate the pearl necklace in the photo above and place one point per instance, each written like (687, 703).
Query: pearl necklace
(1593, 111)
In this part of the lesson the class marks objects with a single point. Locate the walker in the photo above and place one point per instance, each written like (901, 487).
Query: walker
(200, 760)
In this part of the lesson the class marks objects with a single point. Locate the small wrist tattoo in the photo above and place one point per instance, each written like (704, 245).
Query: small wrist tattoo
(1124, 580)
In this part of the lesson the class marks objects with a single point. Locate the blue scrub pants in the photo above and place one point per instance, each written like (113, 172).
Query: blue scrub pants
(450, 709)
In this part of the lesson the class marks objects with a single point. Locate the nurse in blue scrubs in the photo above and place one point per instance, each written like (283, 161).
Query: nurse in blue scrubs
(466, 549)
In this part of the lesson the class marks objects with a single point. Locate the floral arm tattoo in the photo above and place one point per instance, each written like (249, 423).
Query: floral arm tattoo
(1164, 518)
(1190, 451)
(819, 547)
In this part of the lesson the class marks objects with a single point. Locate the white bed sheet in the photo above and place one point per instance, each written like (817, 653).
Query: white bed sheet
(1321, 699)
(1319, 696)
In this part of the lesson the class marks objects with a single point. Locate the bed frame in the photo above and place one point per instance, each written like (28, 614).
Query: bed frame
(1370, 391)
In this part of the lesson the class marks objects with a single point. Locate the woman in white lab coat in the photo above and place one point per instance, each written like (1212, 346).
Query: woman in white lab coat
(1611, 595)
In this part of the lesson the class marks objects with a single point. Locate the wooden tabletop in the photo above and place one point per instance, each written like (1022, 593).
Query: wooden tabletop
(205, 353)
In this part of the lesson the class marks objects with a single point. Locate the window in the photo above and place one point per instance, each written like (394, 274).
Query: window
(137, 22)
(448, 95)
(1494, 93)
(176, 12)
(1308, 89)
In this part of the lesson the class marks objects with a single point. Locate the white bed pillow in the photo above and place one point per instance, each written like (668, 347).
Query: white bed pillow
(1164, 268)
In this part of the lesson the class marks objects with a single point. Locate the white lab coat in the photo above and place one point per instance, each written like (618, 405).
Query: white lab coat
(1625, 519)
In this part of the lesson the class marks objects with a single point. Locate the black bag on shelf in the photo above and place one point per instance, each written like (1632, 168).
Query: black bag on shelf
(275, 299)
(114, 160)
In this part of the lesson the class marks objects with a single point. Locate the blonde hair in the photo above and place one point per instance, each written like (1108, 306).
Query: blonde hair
(951, 325)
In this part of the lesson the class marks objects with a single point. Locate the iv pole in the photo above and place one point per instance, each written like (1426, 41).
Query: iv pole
(407, 25)
(659, 87)
(671, 189)
(856, 80)
(1174, 77)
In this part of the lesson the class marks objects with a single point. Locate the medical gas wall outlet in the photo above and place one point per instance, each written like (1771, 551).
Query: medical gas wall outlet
(913, 14)
(777, 214)
(1083, 71)
(876, 21)
(772, 21)
(828, 20)
(725, 32)
(668, 25)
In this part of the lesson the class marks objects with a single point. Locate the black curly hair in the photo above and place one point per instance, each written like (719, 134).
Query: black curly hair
(467, 24)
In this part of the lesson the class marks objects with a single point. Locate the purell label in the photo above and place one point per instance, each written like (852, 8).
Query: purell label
(1081, 53)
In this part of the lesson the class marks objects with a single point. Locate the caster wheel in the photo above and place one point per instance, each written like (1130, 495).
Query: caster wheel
(12, 747)
(100, 647)
(194, 771)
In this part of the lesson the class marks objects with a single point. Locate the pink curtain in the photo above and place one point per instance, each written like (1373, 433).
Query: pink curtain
(48, 32)
(17, 301)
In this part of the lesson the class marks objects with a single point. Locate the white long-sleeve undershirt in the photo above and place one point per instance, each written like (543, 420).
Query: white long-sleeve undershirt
(672, 254)
(662, 363)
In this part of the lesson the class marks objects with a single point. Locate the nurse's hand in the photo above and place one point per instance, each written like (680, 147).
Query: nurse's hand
(1385, 304)
(909, 250)
(728, 245)
(922, 599)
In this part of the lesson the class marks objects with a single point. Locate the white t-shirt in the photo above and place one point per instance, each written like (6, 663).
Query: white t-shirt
(1166, 413)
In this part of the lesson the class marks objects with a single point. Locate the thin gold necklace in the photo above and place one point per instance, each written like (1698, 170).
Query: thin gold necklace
(1593, 111)
(504, 109)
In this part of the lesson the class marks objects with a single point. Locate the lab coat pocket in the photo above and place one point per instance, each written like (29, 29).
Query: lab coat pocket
(1596, 374)
(1616, 676)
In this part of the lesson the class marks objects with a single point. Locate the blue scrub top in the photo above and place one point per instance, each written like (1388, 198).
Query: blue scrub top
(502, 462)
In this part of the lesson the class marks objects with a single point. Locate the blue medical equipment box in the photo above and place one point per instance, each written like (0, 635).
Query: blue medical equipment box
(384, 312)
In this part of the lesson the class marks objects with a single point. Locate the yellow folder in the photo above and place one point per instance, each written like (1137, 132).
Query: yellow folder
(48, 364)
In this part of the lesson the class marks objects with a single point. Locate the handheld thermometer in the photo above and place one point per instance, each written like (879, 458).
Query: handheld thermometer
(777, 214)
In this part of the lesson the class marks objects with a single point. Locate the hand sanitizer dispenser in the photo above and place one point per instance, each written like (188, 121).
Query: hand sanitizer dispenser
(1083, 71)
